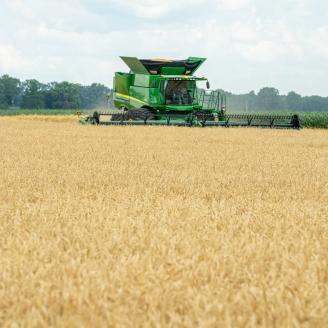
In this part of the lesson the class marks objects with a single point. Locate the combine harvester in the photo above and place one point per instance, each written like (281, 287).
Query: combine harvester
(165, 92)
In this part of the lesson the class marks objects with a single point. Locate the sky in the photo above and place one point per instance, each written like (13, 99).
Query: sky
(249, 44)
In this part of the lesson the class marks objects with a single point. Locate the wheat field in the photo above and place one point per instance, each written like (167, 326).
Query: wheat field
(162, 226)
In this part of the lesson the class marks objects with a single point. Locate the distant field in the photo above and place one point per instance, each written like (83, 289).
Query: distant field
(161, 226)
(314, 120)
(308, 119)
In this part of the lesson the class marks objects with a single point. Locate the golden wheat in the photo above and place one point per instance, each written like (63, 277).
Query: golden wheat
(161, 226)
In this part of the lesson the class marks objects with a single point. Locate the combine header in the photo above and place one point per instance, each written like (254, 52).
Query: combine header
(165, 92)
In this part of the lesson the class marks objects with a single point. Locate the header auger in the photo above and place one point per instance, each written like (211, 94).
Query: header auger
(165, 92)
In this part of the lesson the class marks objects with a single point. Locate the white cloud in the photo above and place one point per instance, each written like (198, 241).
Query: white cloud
(262, 51)
(318, 41)
(232, 4)
(155, 9)
(11, 59)
(23, 8)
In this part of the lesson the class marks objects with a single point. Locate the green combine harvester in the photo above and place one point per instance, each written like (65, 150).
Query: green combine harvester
(167, 92)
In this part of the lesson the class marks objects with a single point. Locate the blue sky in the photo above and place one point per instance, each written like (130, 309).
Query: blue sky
(249, 43)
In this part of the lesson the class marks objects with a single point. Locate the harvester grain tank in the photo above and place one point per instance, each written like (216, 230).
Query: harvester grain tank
(167, 92)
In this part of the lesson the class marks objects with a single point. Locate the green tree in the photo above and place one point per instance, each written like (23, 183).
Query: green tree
(268, 99)
(34, 94)
(94, 95)
(251, 101)
(293, 101)
(9, 91)
(315, 104)
(63, 95)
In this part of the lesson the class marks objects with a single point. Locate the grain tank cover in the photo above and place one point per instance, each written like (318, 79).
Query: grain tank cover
(163, 66)
(135, 65)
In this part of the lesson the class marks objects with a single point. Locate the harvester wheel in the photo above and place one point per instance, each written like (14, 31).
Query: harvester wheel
(296, 122)
(117, 117)
(140, 114)
(96, 118)
(134, 114)
(205, 117)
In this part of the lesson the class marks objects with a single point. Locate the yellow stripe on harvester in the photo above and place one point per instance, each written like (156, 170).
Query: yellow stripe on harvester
(129, 97)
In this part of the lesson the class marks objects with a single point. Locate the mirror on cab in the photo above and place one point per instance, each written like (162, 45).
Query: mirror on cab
(208, 86)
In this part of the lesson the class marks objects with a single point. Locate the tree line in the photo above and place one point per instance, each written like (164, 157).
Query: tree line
(269, 99)
(32, 94)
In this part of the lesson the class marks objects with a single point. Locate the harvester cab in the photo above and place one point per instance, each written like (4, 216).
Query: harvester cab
(162, 86)
(167, 92)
